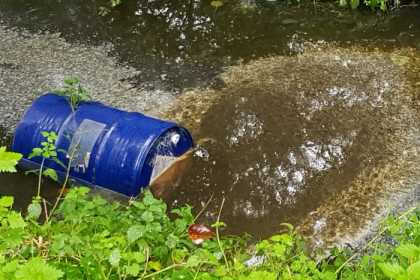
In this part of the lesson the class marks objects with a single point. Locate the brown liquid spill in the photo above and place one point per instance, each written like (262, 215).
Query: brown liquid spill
(314, 140)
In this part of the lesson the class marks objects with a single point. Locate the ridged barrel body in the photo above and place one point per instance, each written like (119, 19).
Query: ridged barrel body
(114, 149)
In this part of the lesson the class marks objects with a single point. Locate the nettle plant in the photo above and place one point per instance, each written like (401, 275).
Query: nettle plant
(91, 238)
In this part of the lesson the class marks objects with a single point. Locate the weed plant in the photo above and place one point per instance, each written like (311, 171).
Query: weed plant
(91, 238)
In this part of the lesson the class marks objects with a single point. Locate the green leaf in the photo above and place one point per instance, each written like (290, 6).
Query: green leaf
(50, 173)
(193, 261)
(8, 160)
(15, 220)
(147, 216)
(115, 257)
(220, 271)
(180, 224)
(392, 270)
(155, 265)
(139, 257)
(172, 241)
(53, 136)
(6, 201)
(184, 274)
(148, 198)
(133, 269)
(59, 162)
(262, 275)
(71, 81)
(161, 252)
(135, 232)
(34, 210)
(238, 266)
(218, 224)
(287, 225)
(37, 269)
(414, 270)
(408, 250)
(184, 212)
(285, 238)
(10, 266)
(35, 152)
(14, 237)
(45, 134)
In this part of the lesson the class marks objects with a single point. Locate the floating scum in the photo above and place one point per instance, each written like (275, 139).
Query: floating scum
(325, 140)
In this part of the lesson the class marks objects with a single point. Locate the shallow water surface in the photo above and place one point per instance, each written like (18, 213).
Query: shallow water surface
(288, 135)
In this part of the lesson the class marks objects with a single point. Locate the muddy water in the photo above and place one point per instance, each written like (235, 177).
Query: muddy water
(314, 140)
(319, 139)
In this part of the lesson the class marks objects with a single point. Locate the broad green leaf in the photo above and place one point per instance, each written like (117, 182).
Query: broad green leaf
(34, 210)
(115, 257)
(10, 266)
(393, 270)
(155, 265)
(262, 275)
(135, 232)
(184, 274)
(133, 269)
(37, 269)
(15, 220)
(45, 134)
(139, 257)
(172, 241)
(210, 257)
(408, 250)
(180, 224)
(53, 136)
(285, 238)
(148, 198)
(220, 271)
(99, 201)
(147, 216)
(184, 212)
(161, 253)
(192, 261)
(50, 173)
(238, 266)
(8, 160)
(13, 237)
(6, 201)
(414, 270)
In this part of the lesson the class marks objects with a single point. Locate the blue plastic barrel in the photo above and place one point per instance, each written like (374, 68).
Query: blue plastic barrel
(119, 150)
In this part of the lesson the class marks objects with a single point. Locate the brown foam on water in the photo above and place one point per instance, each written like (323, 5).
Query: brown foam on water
(319, 140)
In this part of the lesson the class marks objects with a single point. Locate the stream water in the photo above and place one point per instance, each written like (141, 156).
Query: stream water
(298, 117)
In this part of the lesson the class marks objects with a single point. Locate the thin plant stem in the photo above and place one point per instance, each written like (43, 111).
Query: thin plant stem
(147, 261)
(202, 210)
(46, 220)
(218, 237)
(40, 176)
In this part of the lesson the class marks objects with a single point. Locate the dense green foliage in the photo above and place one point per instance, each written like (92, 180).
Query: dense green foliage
(94, 239)
(90, 238)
